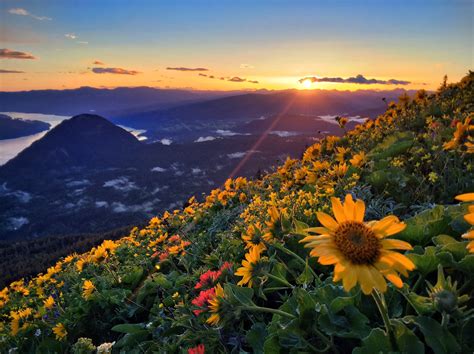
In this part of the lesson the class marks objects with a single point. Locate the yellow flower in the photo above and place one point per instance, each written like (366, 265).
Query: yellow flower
(358, 159)
(250, 267)
(48, 303)
(87, 289)
(360, 252)
(60, 331)
(469, 217)
(462, 129)
(253, 237)
(215, 305)
(341, 153)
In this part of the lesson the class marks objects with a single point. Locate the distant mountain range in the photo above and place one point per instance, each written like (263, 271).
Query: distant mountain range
(191, 120)
(100, 100)
(15, 128)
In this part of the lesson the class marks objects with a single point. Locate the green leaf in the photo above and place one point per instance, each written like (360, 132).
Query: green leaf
(375, 342)
(306, 277)
(467, 264)
(427, 262)
(256, 337)
(437, 337)
(424, 226)
(407, 341)
(243, 296)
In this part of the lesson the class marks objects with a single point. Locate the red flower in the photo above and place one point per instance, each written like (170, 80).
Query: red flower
(201, 300)
(174, 238)
(163, 256)
(208, 278)
(200, 349)
(226, 266)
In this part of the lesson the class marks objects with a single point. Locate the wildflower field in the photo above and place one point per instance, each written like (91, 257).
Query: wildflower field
(365, 245)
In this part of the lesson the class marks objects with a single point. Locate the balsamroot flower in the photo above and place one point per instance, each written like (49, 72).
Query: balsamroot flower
(87, 289)
(60, 331)
(360, 251)
(469, 217)
(251, 267)
(215, 304)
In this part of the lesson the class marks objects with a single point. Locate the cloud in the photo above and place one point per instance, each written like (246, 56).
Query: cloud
(121, 183)
(82, 42)
(202, 139)
(70, 36)
(23, 12)
(201, 74)
(187, 69)
(246, 66)
(237, 79)
(98, 62)
(253, 81)
(119, 71)
(11, 72)
(359, 79)
(11, 54)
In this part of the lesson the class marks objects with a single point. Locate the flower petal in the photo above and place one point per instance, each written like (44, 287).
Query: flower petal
(338, 210)
(349, 207)
(466, 197)
(327, 221)
(349, 279)
(359, 211)
(390, 244)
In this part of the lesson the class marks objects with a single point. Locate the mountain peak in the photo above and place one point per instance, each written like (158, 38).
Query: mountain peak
(83, 140)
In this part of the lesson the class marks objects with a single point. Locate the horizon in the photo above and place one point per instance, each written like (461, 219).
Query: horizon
(211, 46)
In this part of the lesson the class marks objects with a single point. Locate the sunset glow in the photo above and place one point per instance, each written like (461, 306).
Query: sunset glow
(242, 46)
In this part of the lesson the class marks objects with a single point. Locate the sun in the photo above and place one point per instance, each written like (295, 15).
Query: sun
(307, 83)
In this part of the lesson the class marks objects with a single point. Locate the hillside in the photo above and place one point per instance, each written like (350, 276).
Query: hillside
(361, 246)
(15, 128)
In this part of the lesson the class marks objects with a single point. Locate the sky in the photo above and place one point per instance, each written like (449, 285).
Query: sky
(234, 45)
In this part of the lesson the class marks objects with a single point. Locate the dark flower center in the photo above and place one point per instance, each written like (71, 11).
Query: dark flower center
(357, 242)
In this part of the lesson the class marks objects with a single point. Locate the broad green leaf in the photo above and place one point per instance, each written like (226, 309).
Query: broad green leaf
(438, 338)
(256, 337)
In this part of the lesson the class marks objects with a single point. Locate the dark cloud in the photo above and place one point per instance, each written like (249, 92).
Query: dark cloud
(98, 62)
(253, 81)
(359, 79)
(201, 74)
(119, 71)
(187, 69)
(237, 79)
(11, 72)
(11, 54)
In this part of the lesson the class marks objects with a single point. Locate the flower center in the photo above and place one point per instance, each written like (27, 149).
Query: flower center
(357, 242)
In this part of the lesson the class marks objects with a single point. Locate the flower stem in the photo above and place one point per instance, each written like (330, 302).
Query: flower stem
(268, 310)
(281, 280)
(299, 259)
(382, 306)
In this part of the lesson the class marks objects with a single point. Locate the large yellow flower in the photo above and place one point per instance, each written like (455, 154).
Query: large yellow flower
(250, 267)
(215, 305)
(359, 251)
(87, 289)
(469, 217)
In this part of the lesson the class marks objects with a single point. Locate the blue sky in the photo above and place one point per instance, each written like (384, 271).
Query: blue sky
(280, 41)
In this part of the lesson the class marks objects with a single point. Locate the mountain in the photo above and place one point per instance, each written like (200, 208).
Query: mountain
(254, 105)
(96, 175)
(15, 128)
(356, 247)
(99, 100)
(84, 140)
